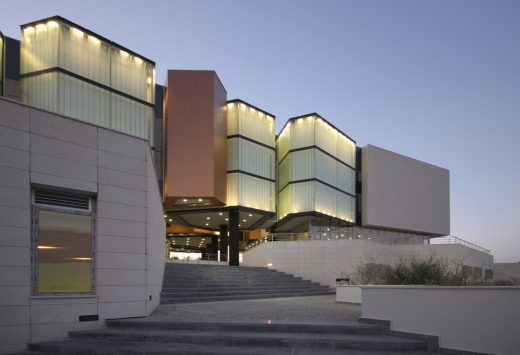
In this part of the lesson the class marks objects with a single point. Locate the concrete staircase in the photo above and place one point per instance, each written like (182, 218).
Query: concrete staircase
(205, 283)
(130, 336)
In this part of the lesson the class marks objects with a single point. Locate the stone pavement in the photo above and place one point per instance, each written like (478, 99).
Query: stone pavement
(310, 309)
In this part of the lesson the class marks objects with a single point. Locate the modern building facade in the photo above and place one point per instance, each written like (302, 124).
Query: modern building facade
(100, 167)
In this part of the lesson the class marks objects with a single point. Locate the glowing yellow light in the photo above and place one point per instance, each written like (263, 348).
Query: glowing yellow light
(220, 213)
(184, 200)
(138, 60)
(94, 40)
(52, 24)
(208, 218)
(29, 29)
(82, 259)
(170, 220)
(123, 53)
(200, 200)
(149, 80)
(77, 32)
(207, 224)
(41, 26)
(48, 247)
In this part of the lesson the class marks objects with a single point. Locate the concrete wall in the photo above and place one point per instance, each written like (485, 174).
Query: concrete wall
(506, 271)
(478, 319)
(324, 260)
(41, 148)
(403, 193)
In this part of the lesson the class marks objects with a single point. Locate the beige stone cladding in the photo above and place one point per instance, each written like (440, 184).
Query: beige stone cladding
(323, 261)
(42, 149)
(404, 194)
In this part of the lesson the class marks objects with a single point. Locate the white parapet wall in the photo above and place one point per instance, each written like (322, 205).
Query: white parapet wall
(325, 260)
(348, 294)
(42, 149)
(475, 319)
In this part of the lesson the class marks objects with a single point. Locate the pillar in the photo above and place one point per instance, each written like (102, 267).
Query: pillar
(234, 235)
(223, 241)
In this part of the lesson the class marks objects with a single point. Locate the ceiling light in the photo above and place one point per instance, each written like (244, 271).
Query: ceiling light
(184, 200)
(200, 200)
(244, 220)
(208, 218)
(207, 224)
(220, 213)
(227, 219)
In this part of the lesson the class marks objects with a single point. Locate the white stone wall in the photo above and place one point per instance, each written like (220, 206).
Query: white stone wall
(404, 193)
(41, 148)
(475, 319)
(325, 260)
(506, 271)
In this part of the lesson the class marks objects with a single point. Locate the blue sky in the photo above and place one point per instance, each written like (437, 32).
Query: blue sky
(435, 80)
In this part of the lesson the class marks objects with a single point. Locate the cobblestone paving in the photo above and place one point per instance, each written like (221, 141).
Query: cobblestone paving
(312, 309)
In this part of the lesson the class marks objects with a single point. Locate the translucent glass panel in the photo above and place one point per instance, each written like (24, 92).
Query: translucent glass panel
(84, 55)
(302, 132)
(251, 123)
(131, 117)
(41, 91)
(312, 163)
(64, 251)
(283, 143)
(250, 157)
(132, 75)
(55, 44)
(311, 130)
(248, 191)
(315, 196)
(302, 165)
(39, 47)
(81, 100)
(329, 161)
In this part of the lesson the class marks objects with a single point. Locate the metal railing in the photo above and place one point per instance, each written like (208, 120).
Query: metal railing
(203, 259)
(418, 240)
(456, 240)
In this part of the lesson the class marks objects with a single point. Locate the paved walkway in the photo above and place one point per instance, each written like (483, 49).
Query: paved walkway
(311, 309)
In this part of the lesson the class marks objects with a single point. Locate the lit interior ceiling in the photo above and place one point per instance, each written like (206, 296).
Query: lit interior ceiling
(212, 219)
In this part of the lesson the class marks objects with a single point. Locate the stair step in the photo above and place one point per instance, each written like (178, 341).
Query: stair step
(238, 288)
(208, 293)
(353, 328)
(241, 338)
(120, 347)
(235, 298)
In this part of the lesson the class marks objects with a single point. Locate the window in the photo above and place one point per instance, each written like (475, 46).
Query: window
(63, 240)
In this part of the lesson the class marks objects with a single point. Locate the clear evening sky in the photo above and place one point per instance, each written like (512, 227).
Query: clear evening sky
(435, 80)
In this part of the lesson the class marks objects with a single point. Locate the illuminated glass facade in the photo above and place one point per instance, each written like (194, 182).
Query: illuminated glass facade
(251, 154)
(316, 169)
(70, 70)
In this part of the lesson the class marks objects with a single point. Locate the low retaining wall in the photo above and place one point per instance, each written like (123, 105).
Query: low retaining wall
(476, 319)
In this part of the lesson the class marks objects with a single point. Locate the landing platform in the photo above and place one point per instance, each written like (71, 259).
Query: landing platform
(310, 309)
